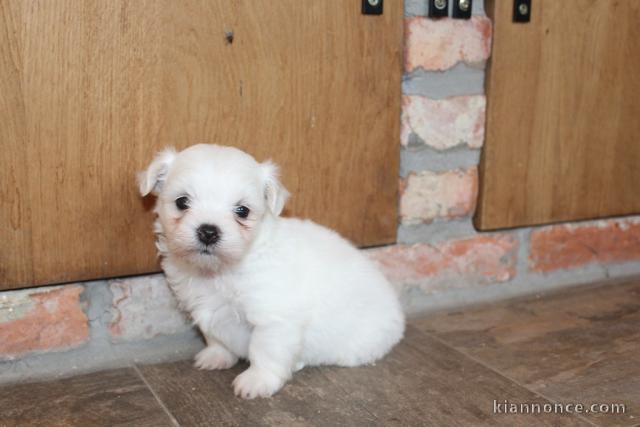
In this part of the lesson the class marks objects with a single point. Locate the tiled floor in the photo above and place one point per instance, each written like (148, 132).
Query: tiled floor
(578, 346)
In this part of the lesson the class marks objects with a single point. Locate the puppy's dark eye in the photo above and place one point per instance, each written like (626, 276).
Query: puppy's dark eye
(182, 203)
(242, 211)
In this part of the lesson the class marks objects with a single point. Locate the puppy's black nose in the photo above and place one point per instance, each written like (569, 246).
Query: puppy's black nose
(208, 234)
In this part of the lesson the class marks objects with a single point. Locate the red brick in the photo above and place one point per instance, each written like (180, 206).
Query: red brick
(144, 307)
(476, 260)
(425, 196)
(46, 320)
(438, 44)
(444, 123)
(576, 245)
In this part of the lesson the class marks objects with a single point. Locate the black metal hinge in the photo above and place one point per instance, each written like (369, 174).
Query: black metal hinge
(372, 7)
(521, 10)
(438, 8)
(461, 9)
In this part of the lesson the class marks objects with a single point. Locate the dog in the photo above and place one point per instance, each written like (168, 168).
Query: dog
(282, 293)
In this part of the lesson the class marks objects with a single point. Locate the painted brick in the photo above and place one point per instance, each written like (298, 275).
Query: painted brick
(144, 307)
(576, 245)
(438, 44)
(444, 123)
(428, 195)
(41, 320)
(462, 263)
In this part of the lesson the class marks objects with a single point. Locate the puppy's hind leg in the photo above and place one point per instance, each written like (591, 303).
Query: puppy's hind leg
(215, 356)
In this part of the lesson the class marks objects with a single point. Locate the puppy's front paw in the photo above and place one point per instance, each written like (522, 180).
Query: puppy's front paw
(256, 382)
(215, 357)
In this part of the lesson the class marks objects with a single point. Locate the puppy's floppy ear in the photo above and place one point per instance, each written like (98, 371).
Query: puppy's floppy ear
(274, 192)
(151, 180)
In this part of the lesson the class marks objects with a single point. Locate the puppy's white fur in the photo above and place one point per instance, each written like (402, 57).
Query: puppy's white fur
(282, 293)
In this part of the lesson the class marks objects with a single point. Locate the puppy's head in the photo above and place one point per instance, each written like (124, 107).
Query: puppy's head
(211, 202)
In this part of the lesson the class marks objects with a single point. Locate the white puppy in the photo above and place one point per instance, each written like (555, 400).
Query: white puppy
(282, 293)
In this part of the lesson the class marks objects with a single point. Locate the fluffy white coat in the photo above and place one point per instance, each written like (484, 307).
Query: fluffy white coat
(283, 293)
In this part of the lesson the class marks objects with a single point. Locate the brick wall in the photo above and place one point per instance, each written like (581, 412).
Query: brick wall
(440, 260)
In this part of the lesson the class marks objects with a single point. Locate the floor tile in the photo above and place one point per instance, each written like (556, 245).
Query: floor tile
(205, 398)
(109, 398)
(422, 382)
(576, 346)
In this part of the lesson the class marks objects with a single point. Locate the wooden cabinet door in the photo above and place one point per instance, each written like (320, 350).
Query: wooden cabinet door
(563, 114)
(90, 90)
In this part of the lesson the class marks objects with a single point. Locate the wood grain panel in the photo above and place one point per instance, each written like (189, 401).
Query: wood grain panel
(15, 211)
(90, 115)
(562, 114)
(100, 86)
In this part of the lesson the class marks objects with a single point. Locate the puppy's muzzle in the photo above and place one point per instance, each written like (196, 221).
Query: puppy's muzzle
(208, 234)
